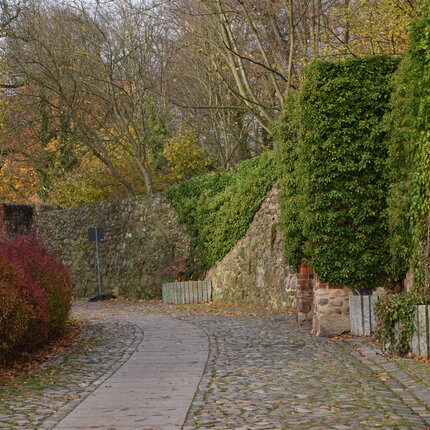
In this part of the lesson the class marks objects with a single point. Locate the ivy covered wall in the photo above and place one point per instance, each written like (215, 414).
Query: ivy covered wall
(217, 208)
(334, 186)
(408, 139)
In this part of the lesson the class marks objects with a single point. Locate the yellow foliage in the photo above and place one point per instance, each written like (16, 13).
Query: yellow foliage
(375, 27)
(84, 185)
(184, 155)
(91, 181)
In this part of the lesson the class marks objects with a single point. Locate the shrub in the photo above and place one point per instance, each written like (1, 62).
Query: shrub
(35, 295)
(218, 207)
(175, 272)
(24, 319)
(29, 254)
(395, 320)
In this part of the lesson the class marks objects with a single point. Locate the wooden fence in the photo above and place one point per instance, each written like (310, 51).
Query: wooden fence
(181, 293)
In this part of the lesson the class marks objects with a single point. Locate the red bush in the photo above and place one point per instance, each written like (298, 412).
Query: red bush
(24, 319)
(35, 294)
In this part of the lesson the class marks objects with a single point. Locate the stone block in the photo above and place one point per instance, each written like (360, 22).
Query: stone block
(303, 306)
(322, 293)
(332, 325)
(356, 314)
(362, 314)
(415, 341)
(424, 316)
(340, 293)
(367, 315)
(336, 303)
(326, 310)
(420, 344)
(274, 280)
(345, 308)
(302, 316)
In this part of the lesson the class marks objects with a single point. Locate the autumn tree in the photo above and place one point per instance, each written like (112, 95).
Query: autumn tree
(111, 82)
(226, 128)
(367, 27)
(258, 49)
(9, 12)
(88, 75)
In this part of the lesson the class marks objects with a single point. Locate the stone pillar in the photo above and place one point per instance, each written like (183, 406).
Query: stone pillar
(305, 294)
(331, 310)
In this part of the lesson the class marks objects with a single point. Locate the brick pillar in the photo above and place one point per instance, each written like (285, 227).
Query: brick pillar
(326, 306)
(305, 294)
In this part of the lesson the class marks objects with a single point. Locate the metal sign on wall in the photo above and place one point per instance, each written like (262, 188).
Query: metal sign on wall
(96, 234)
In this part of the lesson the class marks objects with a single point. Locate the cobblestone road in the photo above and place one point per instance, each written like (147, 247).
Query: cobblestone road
(264, 372)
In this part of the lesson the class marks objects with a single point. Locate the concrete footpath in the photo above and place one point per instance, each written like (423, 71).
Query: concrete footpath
(155, 387)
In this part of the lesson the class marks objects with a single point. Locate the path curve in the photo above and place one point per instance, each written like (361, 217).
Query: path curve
(264, 372)
(154, 388)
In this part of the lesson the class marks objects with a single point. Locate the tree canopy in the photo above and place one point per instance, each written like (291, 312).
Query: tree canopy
(106, 95)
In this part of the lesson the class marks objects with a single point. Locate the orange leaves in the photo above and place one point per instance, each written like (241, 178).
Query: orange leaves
(18, 180)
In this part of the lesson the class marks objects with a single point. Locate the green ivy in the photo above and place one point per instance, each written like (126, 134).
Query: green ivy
(334, 188)
(408, 139)
(402, 142)
(291, 181)
(395, 320)
(218, 207)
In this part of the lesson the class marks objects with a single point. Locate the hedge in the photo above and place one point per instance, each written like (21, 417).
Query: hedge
(218, 207)
(337, 183)
(35, 295)
(395, 315)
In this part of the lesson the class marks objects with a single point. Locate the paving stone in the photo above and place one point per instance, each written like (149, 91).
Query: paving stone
(264, 371)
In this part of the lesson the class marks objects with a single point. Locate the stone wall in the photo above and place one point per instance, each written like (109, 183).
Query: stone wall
(254, 271)
(142, 238)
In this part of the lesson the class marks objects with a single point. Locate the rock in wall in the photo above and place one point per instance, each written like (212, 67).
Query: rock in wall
(254, 271)
(142, 237)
